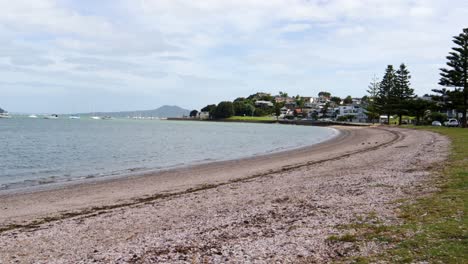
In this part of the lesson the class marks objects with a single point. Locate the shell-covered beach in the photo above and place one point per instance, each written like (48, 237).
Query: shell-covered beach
(282, 207)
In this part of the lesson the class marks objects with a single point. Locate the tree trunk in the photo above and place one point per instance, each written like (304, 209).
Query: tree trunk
(400, 116)
(388, 119)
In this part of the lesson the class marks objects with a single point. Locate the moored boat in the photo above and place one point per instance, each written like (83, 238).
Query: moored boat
(54, 116)
(5, 115)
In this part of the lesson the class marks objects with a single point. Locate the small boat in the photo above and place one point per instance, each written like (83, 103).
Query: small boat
(5, 115)
(106, 117)
(32, 116)
(74, 117)
(96, 117)
(54, 116)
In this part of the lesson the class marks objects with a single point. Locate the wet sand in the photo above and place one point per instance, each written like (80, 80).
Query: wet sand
(281, 207)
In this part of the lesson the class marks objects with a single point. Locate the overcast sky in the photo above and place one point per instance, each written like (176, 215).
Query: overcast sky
(69, 56)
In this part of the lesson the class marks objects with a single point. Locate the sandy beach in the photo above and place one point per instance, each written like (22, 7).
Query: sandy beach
(280, 207)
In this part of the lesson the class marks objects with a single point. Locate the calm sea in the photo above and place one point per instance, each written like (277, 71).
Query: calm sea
(44, 151)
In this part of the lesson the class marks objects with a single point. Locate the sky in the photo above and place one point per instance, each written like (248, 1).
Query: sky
(69, 56)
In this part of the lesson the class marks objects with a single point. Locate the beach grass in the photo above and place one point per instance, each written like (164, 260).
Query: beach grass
(434, 227)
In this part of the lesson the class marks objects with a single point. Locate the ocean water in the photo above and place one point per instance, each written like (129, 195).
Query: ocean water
(43, 151)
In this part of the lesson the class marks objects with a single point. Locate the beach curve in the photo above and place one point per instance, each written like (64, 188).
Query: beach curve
(322, 160)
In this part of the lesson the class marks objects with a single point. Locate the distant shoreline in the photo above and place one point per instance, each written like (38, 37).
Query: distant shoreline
(282, 122)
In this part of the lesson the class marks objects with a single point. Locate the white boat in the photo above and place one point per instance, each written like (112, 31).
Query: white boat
(5, 115)
(74, 117)
(54, 116)
(32, 116)
(96, 117)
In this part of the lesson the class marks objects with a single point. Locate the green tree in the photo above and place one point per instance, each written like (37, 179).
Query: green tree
(385, 99)
(418, 107)
(456, 74)
(284, 95)
(224, 109)
(299, 101)
(348, 100)
(242, 108)
(193, 113)
(210, 109)
(370, 106)
(336, 100)
(324, 94)
(403, 91)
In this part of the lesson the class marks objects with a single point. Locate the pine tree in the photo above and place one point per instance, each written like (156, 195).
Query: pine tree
(385, 100)
(371, 109)
(456, 75)
(403, 91)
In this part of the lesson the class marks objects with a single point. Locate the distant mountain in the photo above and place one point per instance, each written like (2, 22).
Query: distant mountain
(163, 111)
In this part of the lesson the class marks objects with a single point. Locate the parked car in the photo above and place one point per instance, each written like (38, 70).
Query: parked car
(436, 123)
(452, 123)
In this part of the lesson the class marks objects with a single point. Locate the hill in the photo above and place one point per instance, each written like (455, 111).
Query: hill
(2, 111)
(163, 111)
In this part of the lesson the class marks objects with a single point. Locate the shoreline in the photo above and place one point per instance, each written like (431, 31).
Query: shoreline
(21, 208)
(279, 121)
(283, 208)
(86, 180)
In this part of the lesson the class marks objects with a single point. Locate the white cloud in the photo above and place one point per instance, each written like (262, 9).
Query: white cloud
(155, 47)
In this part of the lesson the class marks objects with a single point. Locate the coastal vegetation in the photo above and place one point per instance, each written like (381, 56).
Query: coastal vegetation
(392, 97)
(434, 227)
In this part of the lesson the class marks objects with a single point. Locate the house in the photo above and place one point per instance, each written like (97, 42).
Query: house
(281, 99)
(263, 104)
(354, 110)
(203, 115)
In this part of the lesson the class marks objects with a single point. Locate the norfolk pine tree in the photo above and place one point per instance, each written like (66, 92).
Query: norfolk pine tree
(403, 91)
(456, 74)
(371, 109)
(385, 99)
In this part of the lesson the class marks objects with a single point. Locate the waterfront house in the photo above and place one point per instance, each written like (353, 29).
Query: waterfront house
(263, 103)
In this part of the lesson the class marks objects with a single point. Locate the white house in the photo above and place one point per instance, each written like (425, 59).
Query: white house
(352, 110)
(264, 103)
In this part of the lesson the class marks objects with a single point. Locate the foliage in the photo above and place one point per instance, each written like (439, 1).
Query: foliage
(193, 113)
(260, 97)
(373, 88)
(456, 74)
(2, 111)
(417, 107)
(209, 108)
(324, 94)
(299, 101)
(336, 100)
(385, 99)
(243, 108)
(345, 118)
(348, 100)
(370, 107)
(436, 116)
(284, 95)
(224, 109)
(259, 111)
(403, 91)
